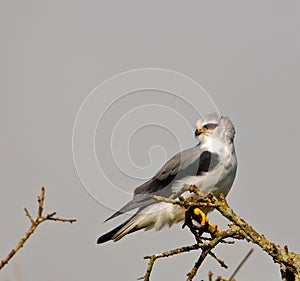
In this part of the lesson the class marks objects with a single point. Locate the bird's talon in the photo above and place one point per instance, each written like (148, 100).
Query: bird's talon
(202, 215)
(214, 229)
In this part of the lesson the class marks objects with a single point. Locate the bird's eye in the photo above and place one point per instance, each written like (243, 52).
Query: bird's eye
(210, 126)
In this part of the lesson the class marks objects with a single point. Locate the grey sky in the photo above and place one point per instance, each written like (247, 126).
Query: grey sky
(54, 53)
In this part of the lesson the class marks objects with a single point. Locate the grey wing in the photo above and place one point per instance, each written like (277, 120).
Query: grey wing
(193, 161)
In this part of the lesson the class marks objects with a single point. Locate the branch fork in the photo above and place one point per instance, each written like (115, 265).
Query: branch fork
(34, 224)
(289, 262)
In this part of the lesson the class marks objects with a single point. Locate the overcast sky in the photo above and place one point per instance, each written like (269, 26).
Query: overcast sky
(55, 53)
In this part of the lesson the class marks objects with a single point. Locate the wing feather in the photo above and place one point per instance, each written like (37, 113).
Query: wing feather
(190, 162)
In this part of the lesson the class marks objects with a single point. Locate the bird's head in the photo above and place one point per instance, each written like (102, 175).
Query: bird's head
(214, 126)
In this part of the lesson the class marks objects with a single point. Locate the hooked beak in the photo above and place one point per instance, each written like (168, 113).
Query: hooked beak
(200, 131)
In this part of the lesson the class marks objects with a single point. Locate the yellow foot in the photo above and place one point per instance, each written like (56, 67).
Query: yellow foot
(199, 213)
(214, 229)
(206, 226)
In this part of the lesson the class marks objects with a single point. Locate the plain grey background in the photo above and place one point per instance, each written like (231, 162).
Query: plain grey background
(53, 53)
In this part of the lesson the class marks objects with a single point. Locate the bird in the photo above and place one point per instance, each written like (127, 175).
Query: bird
(210, 165)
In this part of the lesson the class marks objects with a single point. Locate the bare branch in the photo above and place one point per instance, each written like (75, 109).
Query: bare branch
(241, 264)
(289, 262)
(29, 215)
(41, 199)
(183, 203)
(153, 258)
(61, 219)
(34, 224)
(206, 249)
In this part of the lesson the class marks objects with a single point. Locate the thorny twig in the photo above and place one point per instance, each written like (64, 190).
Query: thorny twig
(34, 224)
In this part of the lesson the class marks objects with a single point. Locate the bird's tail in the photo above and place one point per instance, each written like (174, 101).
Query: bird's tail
(120, 231)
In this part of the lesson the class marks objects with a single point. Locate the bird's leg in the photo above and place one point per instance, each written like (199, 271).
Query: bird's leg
(198, 223)
(202, 219)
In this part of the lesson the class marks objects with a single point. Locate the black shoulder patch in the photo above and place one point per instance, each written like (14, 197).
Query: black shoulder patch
(207, 162)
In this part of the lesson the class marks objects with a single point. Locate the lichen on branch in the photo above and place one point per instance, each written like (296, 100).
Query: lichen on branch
(238, 229)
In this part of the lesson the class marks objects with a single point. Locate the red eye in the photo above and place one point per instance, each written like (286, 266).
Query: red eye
(210, 126)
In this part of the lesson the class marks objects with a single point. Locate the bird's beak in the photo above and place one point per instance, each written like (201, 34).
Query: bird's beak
(200, 131)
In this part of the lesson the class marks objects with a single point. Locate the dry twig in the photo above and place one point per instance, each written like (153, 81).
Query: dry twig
(34, 224)
(289, 262)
